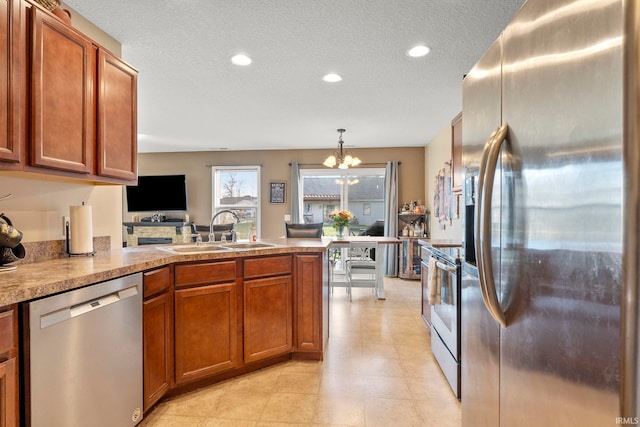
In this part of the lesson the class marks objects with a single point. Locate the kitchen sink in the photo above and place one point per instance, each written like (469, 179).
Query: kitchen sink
(206, 248)
(248, 245)
(195, 249)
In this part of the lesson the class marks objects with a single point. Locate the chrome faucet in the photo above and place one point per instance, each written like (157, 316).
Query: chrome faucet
(212, 235)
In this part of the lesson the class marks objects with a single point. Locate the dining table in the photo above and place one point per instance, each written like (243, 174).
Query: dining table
(343, 243)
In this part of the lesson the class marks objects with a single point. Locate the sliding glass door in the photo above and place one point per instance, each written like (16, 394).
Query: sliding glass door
(360, 191)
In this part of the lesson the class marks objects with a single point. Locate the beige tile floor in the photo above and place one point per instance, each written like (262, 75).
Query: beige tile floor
(378, 371)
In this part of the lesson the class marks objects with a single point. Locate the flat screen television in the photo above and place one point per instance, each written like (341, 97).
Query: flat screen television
(158, 193)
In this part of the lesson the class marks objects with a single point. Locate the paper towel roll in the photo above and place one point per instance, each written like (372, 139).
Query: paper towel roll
(80, 230)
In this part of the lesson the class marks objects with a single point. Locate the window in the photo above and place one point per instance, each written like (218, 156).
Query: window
(237, 188)
(360, 191)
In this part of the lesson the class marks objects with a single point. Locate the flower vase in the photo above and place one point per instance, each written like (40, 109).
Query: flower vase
(340, 231)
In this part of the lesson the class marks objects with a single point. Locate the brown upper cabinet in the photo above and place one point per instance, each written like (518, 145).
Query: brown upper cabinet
(62, 96)
(117, 112)
(12, 92)
(457, 174)
(81, 115)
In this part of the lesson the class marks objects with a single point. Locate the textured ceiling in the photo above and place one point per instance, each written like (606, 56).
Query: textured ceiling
(191, 98)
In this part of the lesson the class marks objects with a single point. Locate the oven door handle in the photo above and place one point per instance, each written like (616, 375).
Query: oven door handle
(445, 267)
(485, 266)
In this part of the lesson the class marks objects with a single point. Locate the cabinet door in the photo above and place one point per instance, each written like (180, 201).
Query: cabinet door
(117, 118)
(62, 96)
(308, 295)
(8, 394)
(267, 318)
(157, 321)
(11, 89)
(205, 331)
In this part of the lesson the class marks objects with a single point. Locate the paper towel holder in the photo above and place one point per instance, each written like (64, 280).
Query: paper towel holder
(68, 248)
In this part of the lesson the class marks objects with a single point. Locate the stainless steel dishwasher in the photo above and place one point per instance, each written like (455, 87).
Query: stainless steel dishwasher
(84, 357)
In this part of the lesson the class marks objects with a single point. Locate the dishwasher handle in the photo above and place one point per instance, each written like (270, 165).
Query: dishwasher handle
(61, 315)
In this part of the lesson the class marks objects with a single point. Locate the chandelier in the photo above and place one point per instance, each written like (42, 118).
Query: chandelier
(341, 158)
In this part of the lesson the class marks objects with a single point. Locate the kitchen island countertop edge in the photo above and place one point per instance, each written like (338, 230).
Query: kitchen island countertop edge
(39, 279)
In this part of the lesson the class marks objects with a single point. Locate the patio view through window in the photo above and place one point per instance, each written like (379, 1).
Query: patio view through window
(360, 191)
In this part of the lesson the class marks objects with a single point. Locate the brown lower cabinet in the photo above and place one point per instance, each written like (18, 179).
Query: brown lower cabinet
(308, 304)
(9, 408)
(206, 325)
(267, 318)
(206, 320)
(157, 323)
(209, 320)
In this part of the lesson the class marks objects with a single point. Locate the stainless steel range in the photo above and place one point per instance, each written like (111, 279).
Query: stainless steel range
(444, 268)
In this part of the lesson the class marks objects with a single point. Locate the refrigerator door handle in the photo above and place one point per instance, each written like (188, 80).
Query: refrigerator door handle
(479, 214)
(478, 217)
(485, 267)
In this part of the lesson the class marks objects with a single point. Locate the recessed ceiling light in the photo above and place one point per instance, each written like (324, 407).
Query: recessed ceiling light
(241, 59)
(332, 78)
(418, 51)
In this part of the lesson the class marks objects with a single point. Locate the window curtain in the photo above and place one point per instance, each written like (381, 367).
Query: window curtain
(391, 217)
(296, 202)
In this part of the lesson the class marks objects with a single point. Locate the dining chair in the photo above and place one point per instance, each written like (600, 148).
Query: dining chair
(362, 271)
(303, 231)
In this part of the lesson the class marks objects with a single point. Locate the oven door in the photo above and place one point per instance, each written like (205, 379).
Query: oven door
(445, 316)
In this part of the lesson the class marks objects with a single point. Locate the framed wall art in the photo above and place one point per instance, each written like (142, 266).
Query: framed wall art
(277, 191)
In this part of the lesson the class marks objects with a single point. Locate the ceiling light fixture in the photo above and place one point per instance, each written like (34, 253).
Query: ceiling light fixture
(340, 158)
(332, 78)
(418, 51)
(240, 59)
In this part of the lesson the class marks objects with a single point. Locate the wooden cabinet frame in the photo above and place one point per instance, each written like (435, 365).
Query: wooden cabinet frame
(9, 404)
(12, 87)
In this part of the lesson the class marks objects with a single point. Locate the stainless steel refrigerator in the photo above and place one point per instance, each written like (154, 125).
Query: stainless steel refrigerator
(544, 224)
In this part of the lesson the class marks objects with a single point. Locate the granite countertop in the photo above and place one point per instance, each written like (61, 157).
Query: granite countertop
(38, 279)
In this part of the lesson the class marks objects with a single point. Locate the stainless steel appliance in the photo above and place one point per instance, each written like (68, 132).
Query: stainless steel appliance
(84, 359)
(445, 314)
(425, 312)
(543, 269)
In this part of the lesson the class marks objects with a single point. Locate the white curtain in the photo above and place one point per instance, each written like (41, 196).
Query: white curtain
(296, 200)
(391, 217)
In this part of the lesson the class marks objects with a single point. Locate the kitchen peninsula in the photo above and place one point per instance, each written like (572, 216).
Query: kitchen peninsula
(269, 300)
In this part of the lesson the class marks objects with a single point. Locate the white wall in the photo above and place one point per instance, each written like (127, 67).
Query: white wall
(38, 205)
(437, 153)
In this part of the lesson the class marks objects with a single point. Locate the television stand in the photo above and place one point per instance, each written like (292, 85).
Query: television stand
(155, 233)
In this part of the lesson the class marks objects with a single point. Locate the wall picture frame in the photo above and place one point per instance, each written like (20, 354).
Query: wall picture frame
(277, 192)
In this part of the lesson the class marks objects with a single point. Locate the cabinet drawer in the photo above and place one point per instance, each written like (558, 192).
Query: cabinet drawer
(268, 266)
(7, 331)
(211, 272)
(156, 281)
